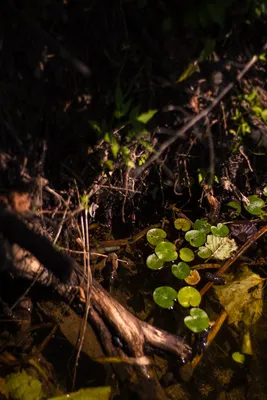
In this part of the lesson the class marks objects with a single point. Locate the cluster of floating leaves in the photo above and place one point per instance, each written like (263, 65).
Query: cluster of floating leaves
(211, 242)
(206, 242)
(198, 320)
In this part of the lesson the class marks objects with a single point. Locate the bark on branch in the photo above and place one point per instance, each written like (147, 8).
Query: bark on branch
(32, 256)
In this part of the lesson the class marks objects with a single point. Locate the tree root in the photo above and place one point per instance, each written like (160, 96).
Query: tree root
(32, 256)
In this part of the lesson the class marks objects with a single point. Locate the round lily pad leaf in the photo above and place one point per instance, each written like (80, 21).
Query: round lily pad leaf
(189, 296)
(182, 224)
(153, 262)
(193, 278)
(255, 206)
(204, 252)
(221, 230)
(195, 238)
(155, 236)
(202, 225)
(164, 296)
(186, 254)
(181, 270)
(238, 357)
(197, 321)
(236, 206)
(265, 190)
(166, 251)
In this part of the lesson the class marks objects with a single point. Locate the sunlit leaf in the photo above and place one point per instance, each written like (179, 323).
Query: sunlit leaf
(153, 262)
(202, 225)
(221, 247)
(197, 321)
(204, 252)
(115, 147)
(186, 254)
(238, 357)
(166, 251)
(182, 224)
(21, 386)
(93, 393)
(194, 278)
(195, 238)
(221, 230)
(155, 236)
(164, 296)
(265, 190)
(190, 70)
(189, 296)
(242, 298)
(181, 270)
(146, 117)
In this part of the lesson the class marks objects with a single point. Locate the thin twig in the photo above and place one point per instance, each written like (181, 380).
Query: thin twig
(89, 283)
(229, 262)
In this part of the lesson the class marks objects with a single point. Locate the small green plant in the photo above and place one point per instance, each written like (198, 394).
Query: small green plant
(126, 129)
(197, 321)
(206, 241)
(165, 296)
(189, 297)
(181, 270)
(246, 106)
(254, 206)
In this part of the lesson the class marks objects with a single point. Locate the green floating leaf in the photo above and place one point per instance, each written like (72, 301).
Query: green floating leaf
(195, 238)
(202, 225)
(164, 296)
(255, 206)
(182, 224)
(21, 386)
(146, 117)
(204, 252)
(221, 230)
(153, 262)
(155, 236)
(235, 205)
(95, 393)
(181, 270)
(166, 251)
(189, 296)
(265, 191)
(221, 247)
(186, 254)
(197, 321)
(238, 357)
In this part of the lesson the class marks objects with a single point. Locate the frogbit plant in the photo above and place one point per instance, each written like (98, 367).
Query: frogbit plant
(205, 242)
